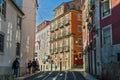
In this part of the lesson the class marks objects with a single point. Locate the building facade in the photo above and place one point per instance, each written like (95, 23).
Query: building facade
(10, 35)
(102, 51)
(28, 32)
(110, 38)
(42, 46)
(66, 37)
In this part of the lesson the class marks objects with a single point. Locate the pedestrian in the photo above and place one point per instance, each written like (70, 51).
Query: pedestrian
(29, 66)
(33, 65)
(15, 67)
(37, 65)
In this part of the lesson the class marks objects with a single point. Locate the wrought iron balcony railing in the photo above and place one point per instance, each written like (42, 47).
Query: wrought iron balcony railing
(66, 48)
(60, 49)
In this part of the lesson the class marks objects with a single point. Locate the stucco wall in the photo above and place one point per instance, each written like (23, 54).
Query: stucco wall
(8, 27)
(28, 32)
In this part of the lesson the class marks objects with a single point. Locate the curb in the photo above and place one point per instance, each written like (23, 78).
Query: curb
(26, 76)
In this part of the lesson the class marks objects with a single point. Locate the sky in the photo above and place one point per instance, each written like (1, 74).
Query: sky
(45, 9)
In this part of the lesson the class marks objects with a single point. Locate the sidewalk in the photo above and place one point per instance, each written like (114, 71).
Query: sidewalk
(85, 74)
(88, 76)
(26, 76)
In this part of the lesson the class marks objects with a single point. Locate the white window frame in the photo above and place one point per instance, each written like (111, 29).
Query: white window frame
(110, 4)
(108, 26)
(67, 18)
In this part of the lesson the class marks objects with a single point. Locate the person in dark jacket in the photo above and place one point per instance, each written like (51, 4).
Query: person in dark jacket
(34, 65)
(29, 66)
(15, 67)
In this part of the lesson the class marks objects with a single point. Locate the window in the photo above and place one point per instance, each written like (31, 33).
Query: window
(80, 55)
(56, 46)
(66, 42)
(1, 43)
(80, 42)
(61, 32)
(19, 21)
(67, 30)
(67, 7)
(18, 49)
(118, 57)
(60, 43)
(79, 29)
(3, 8)
(61, 22)
(94, 42)
(56, 24)
(18, 31)
(61, 9)
(79, 17)
(106, 8)
(107, 35)
(56, 13)
(52, 27)
(66, 55)
(67, 18)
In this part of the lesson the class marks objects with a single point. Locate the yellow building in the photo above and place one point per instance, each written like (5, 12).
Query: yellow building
(66, 37)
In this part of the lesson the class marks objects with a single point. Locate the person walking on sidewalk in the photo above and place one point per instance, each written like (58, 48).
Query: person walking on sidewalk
(29, 66)
(15, 67)
(33, 65)
(37, 65)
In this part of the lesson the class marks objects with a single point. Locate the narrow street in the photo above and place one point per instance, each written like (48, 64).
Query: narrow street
(57, 75)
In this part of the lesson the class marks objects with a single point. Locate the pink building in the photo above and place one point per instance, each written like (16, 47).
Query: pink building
(103, 44)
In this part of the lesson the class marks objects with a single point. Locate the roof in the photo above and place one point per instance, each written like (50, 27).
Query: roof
(62, 4)
(17, 7)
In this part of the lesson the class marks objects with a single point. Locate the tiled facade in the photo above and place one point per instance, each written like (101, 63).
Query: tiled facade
(66, 37)
(42, 45)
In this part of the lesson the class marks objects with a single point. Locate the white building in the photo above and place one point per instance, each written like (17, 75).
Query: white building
(10, 35)
(42, 45)
(28, 32)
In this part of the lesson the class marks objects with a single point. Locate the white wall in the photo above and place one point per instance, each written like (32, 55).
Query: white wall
(8, 28)
(28, 33)
(42, 51)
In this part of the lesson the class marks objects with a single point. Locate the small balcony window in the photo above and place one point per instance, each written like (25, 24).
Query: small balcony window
(3, 8)
(118, 57)
(1, 43)
(106, 8)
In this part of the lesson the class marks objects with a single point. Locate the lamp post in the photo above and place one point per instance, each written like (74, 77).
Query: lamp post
(60, 64)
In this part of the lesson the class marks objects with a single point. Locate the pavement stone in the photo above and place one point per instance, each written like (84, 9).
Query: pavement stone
(26, 76)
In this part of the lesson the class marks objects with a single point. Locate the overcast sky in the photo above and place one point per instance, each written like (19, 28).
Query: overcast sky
(45, 9)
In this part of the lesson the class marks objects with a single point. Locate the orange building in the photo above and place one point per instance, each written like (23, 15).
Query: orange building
(66, 37)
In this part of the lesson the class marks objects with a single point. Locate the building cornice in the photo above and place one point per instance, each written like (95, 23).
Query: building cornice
(36, 3)
(17, 7)
(64, 14)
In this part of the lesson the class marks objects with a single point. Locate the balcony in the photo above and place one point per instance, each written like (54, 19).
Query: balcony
(89, 26)
(56, 27)
(51, 51)
(61, 49)
(52, 39)
(67, 22)
(66, 48)
(55, 50)
(52, 29)
(60, 36)
(61, 25)
(66, 34)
